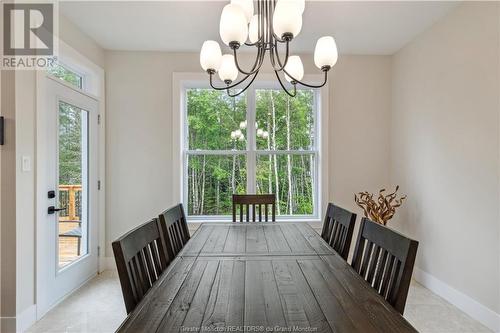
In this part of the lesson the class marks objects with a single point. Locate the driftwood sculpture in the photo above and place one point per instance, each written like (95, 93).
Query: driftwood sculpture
(382, 209)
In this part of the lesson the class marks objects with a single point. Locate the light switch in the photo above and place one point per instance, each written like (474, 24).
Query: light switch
(26, 164)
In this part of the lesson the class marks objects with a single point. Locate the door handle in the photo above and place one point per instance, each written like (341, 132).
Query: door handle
(52, 209)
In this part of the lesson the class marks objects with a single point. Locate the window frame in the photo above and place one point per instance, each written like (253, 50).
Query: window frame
(251, 152)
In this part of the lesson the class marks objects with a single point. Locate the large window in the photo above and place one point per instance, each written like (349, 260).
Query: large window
(262, 141)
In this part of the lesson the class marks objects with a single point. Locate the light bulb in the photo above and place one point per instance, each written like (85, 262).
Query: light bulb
(294, 67)
(228, 71)
(253, 29)
(260, 132)
(325, 53)
(233, 25)
(210, 55)
(246, 6)
(300, 4)
(287, 19)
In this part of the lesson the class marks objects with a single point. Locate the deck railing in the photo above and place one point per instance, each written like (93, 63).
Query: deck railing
(70, 197)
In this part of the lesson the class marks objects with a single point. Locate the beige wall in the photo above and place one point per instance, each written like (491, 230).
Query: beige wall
(139, 125)
(445, 148)
(8, 205)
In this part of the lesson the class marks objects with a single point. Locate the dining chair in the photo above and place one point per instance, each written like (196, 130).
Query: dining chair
(338, 228)
(242, 201)
(173, 226)
(140, 260)
(385, 259)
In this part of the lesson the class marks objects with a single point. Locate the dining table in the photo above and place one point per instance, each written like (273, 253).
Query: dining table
(261, 277)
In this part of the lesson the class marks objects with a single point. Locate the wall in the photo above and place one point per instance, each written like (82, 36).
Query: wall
(8, 205)
(445, 151)
(25, 101)
(138, 132)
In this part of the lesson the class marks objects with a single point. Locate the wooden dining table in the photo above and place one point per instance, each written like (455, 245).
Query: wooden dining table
(261, 277)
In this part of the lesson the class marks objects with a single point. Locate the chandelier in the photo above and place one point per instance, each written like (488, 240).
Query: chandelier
(276, 23)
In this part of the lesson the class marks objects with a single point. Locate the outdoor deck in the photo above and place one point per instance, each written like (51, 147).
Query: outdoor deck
(69, 219)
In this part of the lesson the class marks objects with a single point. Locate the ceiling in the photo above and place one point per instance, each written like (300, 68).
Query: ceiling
(181, 26)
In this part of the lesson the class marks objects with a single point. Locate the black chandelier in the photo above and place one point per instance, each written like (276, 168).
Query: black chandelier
(276, 22)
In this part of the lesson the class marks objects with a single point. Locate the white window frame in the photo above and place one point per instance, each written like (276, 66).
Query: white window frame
(184, 81)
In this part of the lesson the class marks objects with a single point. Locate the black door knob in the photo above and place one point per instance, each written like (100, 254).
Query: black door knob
(52, 209)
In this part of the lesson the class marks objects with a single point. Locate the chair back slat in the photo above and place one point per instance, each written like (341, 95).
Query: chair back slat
(140, 260)
(385, 259)
(173, 226)
(338, 228)
(242, 204)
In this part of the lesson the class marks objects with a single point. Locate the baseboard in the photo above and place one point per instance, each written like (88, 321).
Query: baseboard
(106, 263)
(26, 318)
(473, 308)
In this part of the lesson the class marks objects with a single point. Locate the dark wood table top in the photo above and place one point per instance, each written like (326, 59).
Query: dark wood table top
(261, 277)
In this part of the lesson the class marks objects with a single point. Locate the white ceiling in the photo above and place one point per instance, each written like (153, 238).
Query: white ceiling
(178, 26)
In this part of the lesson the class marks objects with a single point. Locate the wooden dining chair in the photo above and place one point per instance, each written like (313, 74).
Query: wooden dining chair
(173, 226)
(140, 260)
(338, 228)
(256, 201)
(385, 259)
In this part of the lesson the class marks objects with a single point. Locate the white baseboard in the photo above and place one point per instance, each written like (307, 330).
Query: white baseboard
(473, 308)
(26, 318)
(106, 263)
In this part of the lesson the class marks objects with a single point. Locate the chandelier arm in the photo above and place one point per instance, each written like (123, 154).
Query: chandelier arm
(254, 44)
(227, 87)
(244, 89)
(274, 50)
(256, 66)
(258, 29)
(284, 88)
(307, 84)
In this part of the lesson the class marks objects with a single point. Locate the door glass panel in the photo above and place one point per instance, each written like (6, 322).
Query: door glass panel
(73, 183)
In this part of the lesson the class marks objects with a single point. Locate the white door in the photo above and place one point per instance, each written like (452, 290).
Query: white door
(67, 203)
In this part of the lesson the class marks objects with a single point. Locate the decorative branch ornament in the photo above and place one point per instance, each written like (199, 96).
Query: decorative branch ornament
(383, 208)
(276, 23)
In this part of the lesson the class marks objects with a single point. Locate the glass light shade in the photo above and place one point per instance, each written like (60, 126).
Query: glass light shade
(295, 68)
(301, 4)
(228, 70)
(260, 132)
(233, 24)
(210, 55)
(253, 29)
(287, 19)
(325, 53)
(247, 6)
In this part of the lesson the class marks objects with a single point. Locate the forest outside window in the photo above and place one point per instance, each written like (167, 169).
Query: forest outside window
(262, 141)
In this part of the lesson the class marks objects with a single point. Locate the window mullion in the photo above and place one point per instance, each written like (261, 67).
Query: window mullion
(251, 144)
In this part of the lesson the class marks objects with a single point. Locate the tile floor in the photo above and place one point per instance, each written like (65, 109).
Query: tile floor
(97, 307)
